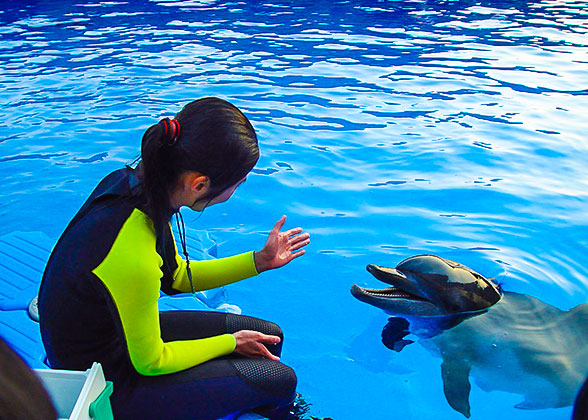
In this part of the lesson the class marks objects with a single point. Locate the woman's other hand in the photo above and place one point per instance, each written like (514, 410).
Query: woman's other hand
(251, 344)
(281, 247)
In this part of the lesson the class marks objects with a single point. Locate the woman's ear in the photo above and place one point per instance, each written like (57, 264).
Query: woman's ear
(192, 187)
(199, 183)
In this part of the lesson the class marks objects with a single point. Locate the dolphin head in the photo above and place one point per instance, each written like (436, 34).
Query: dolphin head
(428, 285)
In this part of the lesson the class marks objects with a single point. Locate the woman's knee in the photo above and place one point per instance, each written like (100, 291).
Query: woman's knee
(268, 376)
(242, 322)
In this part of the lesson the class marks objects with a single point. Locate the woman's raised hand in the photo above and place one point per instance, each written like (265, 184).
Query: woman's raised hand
(251, 344)
(281, 247)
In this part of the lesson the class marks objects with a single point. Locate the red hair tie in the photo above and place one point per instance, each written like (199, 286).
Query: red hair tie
(171, 131)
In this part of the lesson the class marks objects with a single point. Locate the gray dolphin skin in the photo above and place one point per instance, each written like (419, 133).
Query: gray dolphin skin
(503, 340)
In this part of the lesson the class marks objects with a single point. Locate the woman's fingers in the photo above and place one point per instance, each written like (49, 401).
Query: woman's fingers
(296, 246)
(266, 353)
(299, 241)
(298, 254)
(299, 238)
(293, 232)
(280, 223)
(262, 350)
(252, 344)
(281, 247)
(268, 339)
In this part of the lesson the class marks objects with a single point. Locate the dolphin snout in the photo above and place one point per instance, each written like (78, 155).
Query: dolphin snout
(356, 290)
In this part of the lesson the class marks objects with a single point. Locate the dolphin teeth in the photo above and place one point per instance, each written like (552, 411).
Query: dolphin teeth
(393, 293)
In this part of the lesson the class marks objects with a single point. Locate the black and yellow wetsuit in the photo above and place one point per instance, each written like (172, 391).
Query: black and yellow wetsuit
(98, 302)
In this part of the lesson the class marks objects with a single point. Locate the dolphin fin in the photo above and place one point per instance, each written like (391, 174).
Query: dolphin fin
(394, 332)
(398, 345)
(456, 384)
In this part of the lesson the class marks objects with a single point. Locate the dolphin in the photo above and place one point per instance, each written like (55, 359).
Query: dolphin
(504, 340)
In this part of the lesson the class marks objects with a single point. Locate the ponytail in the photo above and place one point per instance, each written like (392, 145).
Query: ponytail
(210, 136)
(158, 174)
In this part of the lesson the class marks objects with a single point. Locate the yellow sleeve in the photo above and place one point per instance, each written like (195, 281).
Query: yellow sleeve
(131, 272)
(208, 274)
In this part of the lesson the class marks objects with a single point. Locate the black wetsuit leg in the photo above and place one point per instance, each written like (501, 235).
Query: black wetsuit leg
(213, 389)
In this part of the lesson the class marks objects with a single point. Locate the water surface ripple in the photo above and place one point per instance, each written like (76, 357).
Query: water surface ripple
(387, 128)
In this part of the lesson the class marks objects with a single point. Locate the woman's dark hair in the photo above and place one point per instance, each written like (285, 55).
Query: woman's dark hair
(216, 139)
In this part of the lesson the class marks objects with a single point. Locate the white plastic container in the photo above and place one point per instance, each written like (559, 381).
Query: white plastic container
(78, 395)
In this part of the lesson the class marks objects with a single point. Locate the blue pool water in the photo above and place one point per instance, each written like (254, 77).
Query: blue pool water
(387, 129)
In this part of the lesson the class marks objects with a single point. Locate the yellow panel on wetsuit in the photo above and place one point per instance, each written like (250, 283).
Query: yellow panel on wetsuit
(131, 273)
(208, 274)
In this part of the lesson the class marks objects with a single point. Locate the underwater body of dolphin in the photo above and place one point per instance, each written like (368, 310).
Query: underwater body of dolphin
(505, 341)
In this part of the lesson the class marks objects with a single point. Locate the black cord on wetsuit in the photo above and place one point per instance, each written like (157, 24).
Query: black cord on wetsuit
(182, 231)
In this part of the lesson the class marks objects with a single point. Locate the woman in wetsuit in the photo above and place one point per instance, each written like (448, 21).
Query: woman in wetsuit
(98, 298)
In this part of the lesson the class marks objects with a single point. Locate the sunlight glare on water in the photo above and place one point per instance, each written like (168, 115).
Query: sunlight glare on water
(387, 129)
